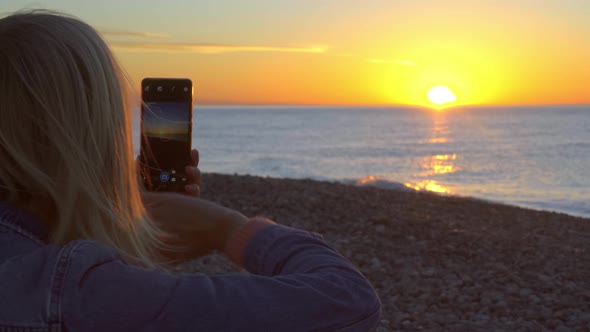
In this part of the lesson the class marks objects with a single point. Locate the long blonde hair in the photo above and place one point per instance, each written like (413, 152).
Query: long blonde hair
(65, 134)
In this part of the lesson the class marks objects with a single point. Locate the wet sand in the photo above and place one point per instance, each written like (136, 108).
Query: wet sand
(439, 263)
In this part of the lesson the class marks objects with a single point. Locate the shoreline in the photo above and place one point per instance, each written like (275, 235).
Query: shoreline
(391, 185)
(400, 186)
(437, 262)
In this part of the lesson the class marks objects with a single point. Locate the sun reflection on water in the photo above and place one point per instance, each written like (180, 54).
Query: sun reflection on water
(440, 130)
(438, 140)
(438, 164)
(368, 179)
(428, 185)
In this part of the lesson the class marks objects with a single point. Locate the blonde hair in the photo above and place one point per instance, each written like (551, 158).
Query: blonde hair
(65, 134)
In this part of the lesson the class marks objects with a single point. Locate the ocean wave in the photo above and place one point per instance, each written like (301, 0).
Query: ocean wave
(575, 208)
(373, 181)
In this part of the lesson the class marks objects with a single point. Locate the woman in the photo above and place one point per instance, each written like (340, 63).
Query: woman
(81, 249)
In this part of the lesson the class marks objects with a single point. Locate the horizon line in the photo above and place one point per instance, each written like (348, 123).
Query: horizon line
(382, 105)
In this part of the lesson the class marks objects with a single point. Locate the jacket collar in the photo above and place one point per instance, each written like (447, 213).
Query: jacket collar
(23, 220)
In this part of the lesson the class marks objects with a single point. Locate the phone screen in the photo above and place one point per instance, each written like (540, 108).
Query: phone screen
(166, 126)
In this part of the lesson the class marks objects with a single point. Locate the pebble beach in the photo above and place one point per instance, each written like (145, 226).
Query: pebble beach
(438, 263)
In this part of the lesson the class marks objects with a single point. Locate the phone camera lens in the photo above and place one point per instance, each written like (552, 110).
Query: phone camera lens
(160, 89)
(185, 89)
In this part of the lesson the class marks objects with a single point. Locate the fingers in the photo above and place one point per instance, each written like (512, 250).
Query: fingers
(193, 190)
(194, 175)
(195, 157)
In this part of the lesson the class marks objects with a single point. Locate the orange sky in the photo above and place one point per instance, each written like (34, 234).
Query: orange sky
(352, 52)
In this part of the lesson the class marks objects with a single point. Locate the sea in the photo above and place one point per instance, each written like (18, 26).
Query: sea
(534, 156)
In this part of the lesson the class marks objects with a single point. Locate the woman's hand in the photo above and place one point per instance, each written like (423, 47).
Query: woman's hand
(193, 188)
(197, 225)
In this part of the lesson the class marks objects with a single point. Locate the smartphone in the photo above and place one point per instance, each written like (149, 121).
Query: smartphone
(166, 130)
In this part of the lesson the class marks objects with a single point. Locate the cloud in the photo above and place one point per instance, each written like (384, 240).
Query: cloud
(182, 47)
(127, 33)
(207, 48)
(394, 61)
(405, 63)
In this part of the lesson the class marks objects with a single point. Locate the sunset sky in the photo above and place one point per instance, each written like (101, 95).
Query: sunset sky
(348, 51)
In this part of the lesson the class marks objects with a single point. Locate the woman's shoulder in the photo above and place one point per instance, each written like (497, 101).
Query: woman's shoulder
(33, 277)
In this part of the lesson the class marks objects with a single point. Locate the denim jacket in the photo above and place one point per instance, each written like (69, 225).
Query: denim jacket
(297, 282)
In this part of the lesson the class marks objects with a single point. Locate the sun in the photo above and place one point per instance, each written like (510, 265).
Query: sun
(440, 95)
